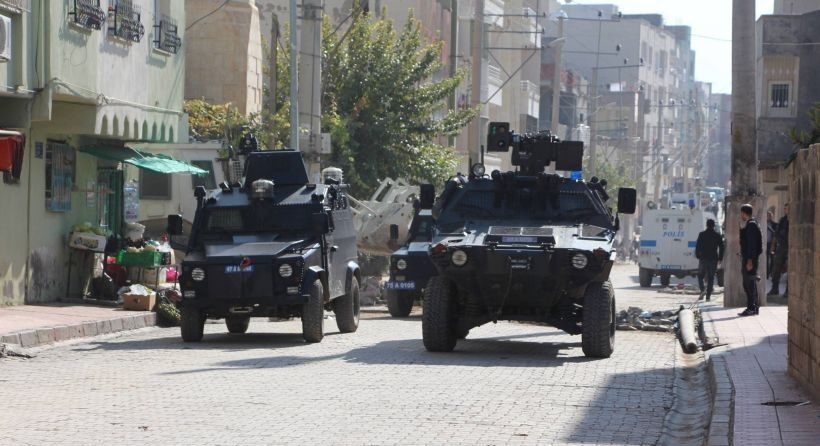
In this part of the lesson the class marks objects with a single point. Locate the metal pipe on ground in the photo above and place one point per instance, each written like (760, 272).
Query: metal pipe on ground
(686, 323)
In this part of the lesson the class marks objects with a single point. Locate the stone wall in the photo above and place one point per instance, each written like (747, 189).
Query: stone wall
(804, 268)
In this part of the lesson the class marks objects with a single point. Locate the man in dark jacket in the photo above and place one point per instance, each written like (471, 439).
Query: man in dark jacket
(708, 251)
(751, 246)
(780, 251)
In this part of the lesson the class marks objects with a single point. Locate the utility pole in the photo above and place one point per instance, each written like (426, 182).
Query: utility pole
(294, 80)
(556, 75)
(474, 135)
(657, 157)
(593, 125)
(453, 58)
(274, 51)
(744, 152)
(310, 79)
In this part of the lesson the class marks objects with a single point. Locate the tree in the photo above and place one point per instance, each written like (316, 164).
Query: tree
(384, 107)
(803, 139)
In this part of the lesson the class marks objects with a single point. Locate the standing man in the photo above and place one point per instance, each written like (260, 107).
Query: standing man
(708, 251)
(771, 228)
(751, 246)
(780, 251)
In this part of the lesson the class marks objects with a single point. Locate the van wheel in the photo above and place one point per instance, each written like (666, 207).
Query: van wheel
(598, 325)
(237, 324)
(191, 324)
(645, 277)
(313, 314)
(346, 309)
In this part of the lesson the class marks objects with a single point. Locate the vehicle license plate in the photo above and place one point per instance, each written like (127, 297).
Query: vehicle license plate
(409, 285)
(235, 269)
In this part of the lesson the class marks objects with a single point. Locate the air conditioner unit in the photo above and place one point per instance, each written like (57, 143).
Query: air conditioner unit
(5, 38)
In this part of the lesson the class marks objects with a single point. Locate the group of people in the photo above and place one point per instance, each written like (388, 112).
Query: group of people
(709, 251)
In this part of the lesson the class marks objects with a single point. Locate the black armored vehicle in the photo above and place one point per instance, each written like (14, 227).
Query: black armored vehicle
(524, 246)
(410, 266)
(274, 246)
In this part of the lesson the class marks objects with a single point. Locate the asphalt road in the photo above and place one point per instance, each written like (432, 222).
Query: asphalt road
(507, 383)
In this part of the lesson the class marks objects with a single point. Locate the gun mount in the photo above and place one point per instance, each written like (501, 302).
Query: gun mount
(532, 152)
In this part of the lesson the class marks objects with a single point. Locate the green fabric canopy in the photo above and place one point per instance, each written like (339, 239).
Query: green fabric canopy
(144, 160)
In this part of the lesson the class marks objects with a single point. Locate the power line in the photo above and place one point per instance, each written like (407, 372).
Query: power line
(207, 15)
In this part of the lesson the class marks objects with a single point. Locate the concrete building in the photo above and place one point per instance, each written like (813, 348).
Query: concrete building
(224, 53)
(78, 78)
(644, 109)
(788, 55)
(795, 7)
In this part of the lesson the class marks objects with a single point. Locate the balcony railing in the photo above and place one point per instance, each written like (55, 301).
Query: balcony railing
(87, 14)
(124, 21)
(167, 37)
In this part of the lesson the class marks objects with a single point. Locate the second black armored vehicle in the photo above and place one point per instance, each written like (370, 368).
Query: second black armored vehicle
(275, 246)
(410, 266)
(524, 246)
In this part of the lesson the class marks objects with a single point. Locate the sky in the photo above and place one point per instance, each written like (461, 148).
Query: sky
(711, 23)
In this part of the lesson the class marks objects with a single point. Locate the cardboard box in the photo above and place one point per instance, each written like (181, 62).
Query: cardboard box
(139, 302)
(87, 241)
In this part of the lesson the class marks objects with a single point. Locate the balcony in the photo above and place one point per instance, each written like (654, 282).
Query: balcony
(16, 6)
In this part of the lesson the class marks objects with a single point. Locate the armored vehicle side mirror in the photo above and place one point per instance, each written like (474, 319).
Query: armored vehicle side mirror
(394, 232)
(321, 223)
(174, 225)
(427, 195)
(627, 197)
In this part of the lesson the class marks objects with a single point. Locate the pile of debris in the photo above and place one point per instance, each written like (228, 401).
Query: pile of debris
(635, 318)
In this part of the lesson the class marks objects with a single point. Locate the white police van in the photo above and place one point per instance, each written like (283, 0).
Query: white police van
(668, 238)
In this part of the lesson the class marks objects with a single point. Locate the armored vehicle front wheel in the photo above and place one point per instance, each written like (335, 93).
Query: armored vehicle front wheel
(313, 314)
(346, 309)
(399, 303)
(598, 326)
(438, 323)
(645, 277)
(237, 324)
(191, 324)
(665, 280)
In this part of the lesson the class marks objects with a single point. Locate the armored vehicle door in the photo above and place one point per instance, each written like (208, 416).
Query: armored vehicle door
(341, 241)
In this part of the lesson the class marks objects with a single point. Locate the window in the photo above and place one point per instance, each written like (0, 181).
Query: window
(779, 96)
(88, 14)
(124, 20)
(208, 180)
(154, 185)
(60, 159)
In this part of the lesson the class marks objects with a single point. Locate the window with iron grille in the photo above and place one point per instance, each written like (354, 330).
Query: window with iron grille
(88, 14)
(124, 20)
(167, 37)
(779, 96)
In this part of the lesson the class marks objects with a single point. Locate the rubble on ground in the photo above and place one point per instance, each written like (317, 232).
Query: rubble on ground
(634, 318)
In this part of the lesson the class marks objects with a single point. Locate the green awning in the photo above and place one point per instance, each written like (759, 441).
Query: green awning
(155, 162)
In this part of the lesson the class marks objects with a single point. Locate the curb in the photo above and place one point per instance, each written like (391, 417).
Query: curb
(50, 335)
(721, 426)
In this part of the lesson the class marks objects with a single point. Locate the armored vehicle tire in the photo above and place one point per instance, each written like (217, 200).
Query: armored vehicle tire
(438, 322)
(598, 326)
(462, 334)
(313, 314)
(237, 324)
(346, 309)
(191, 324)
(645, 277)
(665, 280)
(400, 304)
(719, 277)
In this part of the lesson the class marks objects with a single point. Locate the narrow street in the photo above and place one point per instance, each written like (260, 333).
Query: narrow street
(508, 383)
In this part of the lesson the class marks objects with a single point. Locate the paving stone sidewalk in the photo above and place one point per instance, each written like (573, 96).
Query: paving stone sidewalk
(756, 402)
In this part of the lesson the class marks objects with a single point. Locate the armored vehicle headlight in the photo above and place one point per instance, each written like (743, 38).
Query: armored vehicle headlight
(478, 170)
(198, 274)
(285, 270)
(401, 264)
(579, 261)
(459, 257)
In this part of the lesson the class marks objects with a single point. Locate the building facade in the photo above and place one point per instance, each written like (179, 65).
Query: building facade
(81, 77)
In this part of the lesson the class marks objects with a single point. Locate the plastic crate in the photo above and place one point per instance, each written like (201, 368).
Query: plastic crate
(142, 258)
